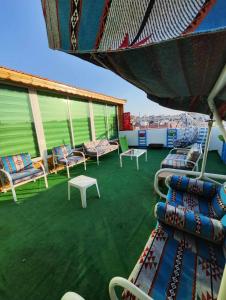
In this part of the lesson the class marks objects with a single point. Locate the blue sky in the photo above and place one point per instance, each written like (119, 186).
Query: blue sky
(24, 47)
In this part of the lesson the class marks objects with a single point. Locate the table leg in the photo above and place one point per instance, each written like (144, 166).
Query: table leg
(83, 197)
(146, 156)
(69, 191)
(137, 163)
(98, 192)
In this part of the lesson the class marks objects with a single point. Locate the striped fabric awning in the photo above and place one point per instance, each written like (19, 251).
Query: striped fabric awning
(173, 50)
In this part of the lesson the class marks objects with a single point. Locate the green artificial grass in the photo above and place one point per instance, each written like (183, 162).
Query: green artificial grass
(50, 245)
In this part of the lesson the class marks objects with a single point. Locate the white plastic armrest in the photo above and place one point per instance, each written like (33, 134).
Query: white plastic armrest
(7, 175)
(41, 165)
(126, 284)
(72, 296)
(55, 156)
(79, 152)
(97, 151)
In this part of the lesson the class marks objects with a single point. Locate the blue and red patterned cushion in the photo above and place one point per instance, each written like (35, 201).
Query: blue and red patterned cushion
(199, 203)
(25, 175)
(177, 265)
(195, 223)
(192, 186)
(219, 201)
(62, 151)
(16, 163)
(72, 160)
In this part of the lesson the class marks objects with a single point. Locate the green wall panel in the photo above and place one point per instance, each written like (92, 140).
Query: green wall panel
(112, 121)
(100, 120)
(54, 114)
(17, 132)
(80, 121)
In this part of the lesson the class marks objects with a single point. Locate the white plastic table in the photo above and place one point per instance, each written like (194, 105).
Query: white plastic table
(134, 153)
(82, 183)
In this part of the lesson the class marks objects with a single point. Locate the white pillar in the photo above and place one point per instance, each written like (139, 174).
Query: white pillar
(107, 121)
(92, 125)
(70, 122)
(33, 97)
(117, 116)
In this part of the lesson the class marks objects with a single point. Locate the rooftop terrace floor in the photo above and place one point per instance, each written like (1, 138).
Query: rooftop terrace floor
(50, 245)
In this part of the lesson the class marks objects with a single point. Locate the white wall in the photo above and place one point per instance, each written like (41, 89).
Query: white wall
(155, 136)
(158, 136)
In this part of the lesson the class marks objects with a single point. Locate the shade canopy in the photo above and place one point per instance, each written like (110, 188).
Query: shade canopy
(173, 50)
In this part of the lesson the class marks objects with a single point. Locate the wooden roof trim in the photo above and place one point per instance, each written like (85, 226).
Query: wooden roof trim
(46, 84)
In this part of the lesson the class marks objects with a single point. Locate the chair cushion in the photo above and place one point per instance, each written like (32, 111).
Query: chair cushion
(177, 265)
(193, 186)
(103, 143)
(102, 146)
(171, 161)
(219, 201)
(25, 175)
(16, 163)
(62, 151)
(190, 221)
(90, 147)
(71, 160)
(113, 147)
(191, 202)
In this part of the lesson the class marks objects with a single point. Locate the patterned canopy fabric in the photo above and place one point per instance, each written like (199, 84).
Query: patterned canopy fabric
(173, 50)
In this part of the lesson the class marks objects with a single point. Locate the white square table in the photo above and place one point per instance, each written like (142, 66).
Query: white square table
(134, 153)
(82, 183)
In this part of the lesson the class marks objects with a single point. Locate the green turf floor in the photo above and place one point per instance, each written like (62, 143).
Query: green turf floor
(49, 245)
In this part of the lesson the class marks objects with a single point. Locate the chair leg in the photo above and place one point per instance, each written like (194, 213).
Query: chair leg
(46, 181)
(69, 191)
(68, 173)
(54, 167)
(14, 194)
(98, 160)
(85, 165)
(98, 192)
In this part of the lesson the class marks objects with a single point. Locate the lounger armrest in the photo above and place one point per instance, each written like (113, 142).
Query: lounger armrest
(194, 223)
(129, 286)
(79, 152)
(7, 175)
(40, 164)
(55, 157)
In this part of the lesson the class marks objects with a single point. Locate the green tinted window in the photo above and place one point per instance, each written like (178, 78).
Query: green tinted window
(80, 121)
(112, 121)
(100, 120)
(54, 112)
(17, 132)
